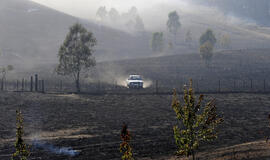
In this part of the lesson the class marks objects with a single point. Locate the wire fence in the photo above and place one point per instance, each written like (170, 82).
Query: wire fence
(33, 84)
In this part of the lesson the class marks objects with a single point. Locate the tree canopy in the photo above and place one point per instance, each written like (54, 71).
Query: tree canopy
(225, 41)
(188, 37)
(206, 52)
(114, 14)
(208, 36)
(197, 122)
(173, 23)
(102, 12)
(207, 43)
(75, 54)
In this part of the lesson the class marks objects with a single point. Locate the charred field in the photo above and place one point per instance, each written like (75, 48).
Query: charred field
(67, 72)
(90, 124)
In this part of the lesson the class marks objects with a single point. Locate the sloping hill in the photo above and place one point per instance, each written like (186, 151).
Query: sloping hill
(172, 71)
(31, 34)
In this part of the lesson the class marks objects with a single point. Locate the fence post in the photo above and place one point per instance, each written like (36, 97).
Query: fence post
(22, 84)
(2, 84)
(17, 85)
(25, 84)
(36, 82)
(31, 84)
(40, 85)
(43, 88)
(156, 86)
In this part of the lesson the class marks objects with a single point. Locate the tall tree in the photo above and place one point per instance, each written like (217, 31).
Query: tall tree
(188, 38)
(157, 43)
(139, 25)
(197, 122)
(225, 41)
(173, 23)
(207, 43)
(102, 13)
(114, 15)
(206, 52)
(75, 54)
(133, 11)
(208, 36)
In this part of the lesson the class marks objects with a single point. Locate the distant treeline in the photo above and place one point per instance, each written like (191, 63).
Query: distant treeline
(257, 10)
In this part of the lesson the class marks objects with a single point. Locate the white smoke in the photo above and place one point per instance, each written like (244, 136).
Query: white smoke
(54, 149)
(147, 83)
(188, 11)
(114, 75)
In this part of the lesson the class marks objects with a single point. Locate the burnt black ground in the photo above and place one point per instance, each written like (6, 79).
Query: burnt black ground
(92, 124)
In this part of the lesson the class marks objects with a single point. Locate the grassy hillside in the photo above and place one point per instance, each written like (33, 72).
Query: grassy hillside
(31, 34)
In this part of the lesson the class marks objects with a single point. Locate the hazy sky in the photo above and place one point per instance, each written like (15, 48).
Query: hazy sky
(153, 12)
(88, 8)
(148, 9)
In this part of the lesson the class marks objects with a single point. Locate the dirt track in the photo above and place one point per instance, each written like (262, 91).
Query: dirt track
(92, 124)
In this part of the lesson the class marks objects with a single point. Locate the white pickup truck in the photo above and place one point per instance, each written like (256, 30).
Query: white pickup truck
(135, 81)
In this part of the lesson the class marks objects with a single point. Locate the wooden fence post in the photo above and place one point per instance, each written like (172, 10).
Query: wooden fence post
(2, 84)
(17, 85)
(40, 85)
(43, 87)
(22, 85)
(31, 84)
(36, 82)
(25, 84)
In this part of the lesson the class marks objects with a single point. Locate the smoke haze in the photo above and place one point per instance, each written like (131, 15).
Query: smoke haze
(87, 9)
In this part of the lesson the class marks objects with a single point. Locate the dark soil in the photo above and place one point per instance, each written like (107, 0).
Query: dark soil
(92, 124)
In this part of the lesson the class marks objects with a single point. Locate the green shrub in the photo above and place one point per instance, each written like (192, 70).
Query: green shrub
(22, 150)
(197, 122)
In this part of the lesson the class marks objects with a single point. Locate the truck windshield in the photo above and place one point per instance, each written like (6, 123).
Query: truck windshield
(135, 78)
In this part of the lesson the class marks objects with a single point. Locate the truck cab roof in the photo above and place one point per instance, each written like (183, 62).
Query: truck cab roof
(135, 77)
